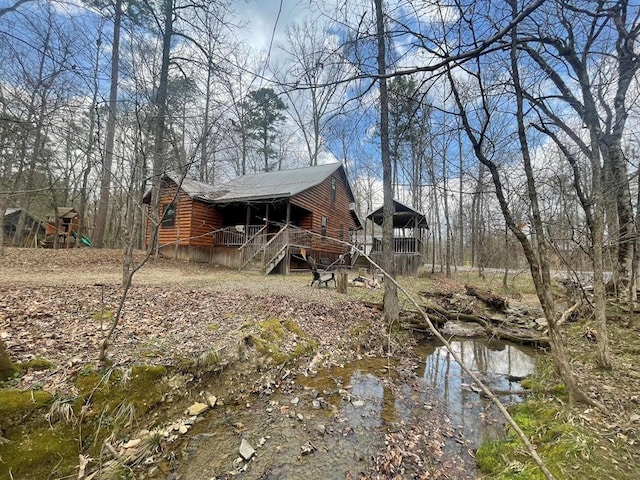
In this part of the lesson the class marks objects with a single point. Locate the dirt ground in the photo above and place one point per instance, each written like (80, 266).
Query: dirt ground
(58, 305)
(51, 303)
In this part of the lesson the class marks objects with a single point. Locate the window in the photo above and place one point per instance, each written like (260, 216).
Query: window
(169, 215)
(333, 189)
(323, 229)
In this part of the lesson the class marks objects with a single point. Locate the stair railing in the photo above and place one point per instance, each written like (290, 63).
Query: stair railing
(253, 246)
(274, 246)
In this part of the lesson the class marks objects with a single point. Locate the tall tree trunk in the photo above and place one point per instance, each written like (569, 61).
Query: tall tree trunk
(204, 148)
(391, 307)
(82, 210)
(36, 154)
(105, 179)
(446, 218)
(3, 211)
(460, 214)
(538, 258)
(159, 124)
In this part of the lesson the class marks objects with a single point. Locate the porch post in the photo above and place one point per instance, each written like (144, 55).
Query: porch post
(266, 215)
(416, 234)
(287, 258)
(247, 223)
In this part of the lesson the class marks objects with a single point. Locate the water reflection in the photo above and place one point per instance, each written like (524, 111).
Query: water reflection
(363, 400)
(499, 365)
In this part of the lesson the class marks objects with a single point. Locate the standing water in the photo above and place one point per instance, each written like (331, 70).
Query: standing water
(499, 365)
(333, 425)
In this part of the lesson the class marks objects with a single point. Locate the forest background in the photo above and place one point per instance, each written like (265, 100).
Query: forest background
(214, 91)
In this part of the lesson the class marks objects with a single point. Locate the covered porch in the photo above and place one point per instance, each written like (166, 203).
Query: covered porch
(270, 236)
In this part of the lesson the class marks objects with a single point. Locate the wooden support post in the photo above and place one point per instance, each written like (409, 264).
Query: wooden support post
(341, 281)
(247, 223)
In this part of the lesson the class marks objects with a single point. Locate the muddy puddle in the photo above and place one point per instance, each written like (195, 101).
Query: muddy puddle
(333, 425)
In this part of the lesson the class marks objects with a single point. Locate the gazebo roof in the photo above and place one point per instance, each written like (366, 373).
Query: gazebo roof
(404, 216)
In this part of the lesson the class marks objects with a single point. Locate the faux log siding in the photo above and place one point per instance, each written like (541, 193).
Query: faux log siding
(318, 200)
(306, 222)
(204, 220)
(182, 226)
(193, 220)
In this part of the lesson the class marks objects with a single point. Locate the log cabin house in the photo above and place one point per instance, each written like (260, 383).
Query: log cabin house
(264, 223)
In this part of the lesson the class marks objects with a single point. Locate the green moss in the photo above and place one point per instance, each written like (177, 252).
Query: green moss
(108, 402)
(531, 383)
(43, 453)
(18, 403)
(282, 341)
(293, 327)
(104, 316)
(562, 444)
(37, 364)
(140, 386)
(7, 367)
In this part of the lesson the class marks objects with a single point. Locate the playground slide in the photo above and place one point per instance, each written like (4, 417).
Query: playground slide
(85, 241)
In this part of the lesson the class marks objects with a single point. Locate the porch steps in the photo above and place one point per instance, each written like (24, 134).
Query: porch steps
(273, 263)
(254, 266)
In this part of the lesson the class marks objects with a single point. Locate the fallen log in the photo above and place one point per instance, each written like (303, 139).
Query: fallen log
(439, 316)
(407, 315)
(496, 302)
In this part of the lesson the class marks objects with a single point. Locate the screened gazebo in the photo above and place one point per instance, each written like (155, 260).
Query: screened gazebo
(409, 232)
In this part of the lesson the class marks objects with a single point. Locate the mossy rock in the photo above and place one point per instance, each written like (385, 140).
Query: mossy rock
(141, 387)
(16, 405)
(7, 368)
(36, 364)
(282, 341)
(43, 453)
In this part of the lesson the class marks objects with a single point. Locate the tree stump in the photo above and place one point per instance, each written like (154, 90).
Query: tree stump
(341, 278)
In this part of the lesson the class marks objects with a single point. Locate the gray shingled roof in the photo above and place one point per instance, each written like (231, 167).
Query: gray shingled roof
(270, 185)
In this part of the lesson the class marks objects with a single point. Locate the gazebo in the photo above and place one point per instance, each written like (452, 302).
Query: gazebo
(409, 232)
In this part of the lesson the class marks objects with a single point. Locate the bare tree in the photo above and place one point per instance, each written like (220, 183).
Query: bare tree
(595, 43)
(316, 66)
(391, 307)
(107, 161)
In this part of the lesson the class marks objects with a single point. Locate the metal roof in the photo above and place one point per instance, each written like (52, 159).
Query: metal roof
(11, 211)
(63, 212)
(192, 187)
(403, 217)
(272, 185)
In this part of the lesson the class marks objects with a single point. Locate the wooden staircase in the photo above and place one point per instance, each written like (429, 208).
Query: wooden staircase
(265, 257)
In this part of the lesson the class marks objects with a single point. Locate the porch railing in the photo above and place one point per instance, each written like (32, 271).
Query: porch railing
(287, 236)
(233, 236)
(400, 245)
(299, 237)
(273, 248)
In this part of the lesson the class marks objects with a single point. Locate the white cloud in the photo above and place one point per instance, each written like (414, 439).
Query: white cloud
(266, 21)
